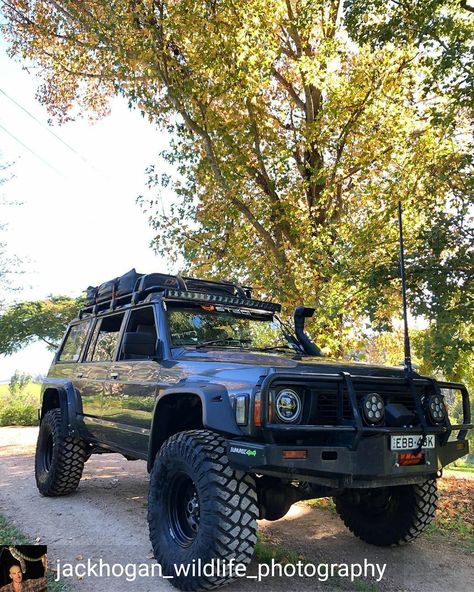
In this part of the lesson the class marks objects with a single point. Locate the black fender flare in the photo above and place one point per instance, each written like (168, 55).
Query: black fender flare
(217, 413)
(68, 400)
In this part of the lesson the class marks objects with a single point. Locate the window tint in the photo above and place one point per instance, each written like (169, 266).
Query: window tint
(105, 338)
(74, 341)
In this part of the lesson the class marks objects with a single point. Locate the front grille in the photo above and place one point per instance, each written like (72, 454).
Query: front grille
(333, 406)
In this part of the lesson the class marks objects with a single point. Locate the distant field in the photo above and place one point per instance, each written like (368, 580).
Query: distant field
(31, 388)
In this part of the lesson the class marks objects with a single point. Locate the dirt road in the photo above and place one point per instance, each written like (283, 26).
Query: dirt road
(106, 518)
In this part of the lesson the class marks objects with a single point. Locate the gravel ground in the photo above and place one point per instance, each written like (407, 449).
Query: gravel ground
(106, 518)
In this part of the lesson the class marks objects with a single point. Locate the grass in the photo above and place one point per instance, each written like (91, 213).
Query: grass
(59, 586)
(10, 535)
(322, 503)
(461, 469)
(267, 550)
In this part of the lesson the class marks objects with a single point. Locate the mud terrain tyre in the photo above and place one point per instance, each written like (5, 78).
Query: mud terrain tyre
(200, 508)
(59, 459)
(389, 516)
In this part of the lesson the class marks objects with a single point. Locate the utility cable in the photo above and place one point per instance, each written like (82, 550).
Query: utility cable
(45, 162)
(47, 128)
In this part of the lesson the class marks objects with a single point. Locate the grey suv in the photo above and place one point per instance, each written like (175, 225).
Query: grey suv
(238, 416)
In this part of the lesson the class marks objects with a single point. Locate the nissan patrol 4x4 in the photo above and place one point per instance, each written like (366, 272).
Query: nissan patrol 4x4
(238, 416)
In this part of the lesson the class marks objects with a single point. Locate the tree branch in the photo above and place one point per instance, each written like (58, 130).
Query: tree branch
(49, 343)
(289, 87)
(222, 182)
(342, 139)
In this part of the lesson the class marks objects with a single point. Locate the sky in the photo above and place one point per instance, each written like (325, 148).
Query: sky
(76, 221)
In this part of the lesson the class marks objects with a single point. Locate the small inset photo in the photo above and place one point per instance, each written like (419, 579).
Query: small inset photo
(23, 568)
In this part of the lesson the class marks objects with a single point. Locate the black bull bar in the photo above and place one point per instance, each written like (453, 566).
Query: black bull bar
(346, 386)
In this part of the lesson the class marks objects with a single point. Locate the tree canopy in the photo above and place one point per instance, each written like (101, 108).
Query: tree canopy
(296, 126)
(42, 320)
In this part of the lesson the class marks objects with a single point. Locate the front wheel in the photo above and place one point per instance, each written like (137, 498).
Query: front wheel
(388, 516)
(199, 508)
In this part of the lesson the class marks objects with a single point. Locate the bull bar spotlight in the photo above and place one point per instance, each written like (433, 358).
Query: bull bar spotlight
(373, 409)
(436, 408)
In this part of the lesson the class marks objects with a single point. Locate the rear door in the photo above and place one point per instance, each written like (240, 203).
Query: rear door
(131, 390)
(100, 355)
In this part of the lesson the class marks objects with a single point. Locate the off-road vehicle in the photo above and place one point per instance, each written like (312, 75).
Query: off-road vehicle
(238, 416)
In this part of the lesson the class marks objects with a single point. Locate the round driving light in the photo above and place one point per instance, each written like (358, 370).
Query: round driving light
(287, 405)
(436, 409)
(373, 409)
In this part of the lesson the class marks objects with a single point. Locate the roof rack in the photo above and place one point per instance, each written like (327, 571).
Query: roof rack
(134, 287)
(190, 296)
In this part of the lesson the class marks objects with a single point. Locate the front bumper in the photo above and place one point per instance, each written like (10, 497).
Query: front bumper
(372, 464)
(350, 453)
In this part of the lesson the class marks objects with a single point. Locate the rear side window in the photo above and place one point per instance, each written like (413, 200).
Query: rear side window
(105, 339)
(141, 320)
(75, 339)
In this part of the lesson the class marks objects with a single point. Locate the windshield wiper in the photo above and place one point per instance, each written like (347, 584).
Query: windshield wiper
(276, 347)
(223, 341)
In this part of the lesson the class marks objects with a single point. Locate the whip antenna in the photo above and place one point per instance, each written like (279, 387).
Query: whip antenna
(408, 367)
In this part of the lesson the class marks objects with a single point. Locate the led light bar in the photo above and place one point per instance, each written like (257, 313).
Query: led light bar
(218, 299)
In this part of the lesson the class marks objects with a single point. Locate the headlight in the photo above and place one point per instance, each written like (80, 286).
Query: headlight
(287, 405)
(436, 409)
(373, 409)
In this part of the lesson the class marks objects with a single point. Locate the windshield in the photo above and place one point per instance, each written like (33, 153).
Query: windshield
(211, 325)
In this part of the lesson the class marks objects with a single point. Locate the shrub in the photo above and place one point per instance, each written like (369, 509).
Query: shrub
(18, 405)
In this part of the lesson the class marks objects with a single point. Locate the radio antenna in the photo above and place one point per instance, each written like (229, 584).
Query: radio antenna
(408, 366)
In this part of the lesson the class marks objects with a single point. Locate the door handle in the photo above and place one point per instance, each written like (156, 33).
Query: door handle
(114, 375)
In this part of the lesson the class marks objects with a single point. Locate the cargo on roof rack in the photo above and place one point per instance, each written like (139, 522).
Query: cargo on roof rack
(133, 287)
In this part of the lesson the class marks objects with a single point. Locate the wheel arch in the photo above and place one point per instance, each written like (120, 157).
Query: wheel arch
(210, 409)
(58, 394)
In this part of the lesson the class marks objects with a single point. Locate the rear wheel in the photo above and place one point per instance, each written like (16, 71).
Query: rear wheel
(59, 459)
(388, 516)
(200, 508)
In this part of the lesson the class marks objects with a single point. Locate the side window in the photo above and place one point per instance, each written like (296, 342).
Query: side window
(141, 320)
(105, 338)
(75, 339)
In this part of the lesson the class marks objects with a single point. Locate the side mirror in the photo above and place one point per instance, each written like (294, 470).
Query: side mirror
(139, 345)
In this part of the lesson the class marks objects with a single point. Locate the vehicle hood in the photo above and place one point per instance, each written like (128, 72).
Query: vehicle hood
(278, 362)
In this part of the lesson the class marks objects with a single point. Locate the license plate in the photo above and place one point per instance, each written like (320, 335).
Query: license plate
(411, 442)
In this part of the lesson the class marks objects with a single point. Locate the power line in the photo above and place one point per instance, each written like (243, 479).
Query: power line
(47, 128)
(45, 162)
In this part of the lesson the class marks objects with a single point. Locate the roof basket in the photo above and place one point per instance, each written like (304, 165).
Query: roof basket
(135, 287)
